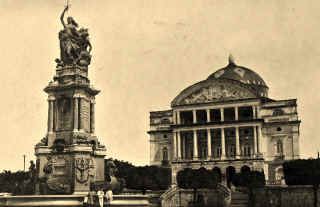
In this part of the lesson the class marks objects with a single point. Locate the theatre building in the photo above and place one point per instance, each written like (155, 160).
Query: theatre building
(227, 123)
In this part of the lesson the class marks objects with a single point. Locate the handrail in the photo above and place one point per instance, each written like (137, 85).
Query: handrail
(171, 191)
(226, 192)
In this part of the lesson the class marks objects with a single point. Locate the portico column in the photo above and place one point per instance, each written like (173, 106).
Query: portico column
(75, 113)
(194, 112)
(183, 144)
(209, 143)
(92, 121)
(223, 145)
(195, 145)
(174, 145)
(259, 140)
(179, 145)
(178, 117)
(254, 112)
(254, 140)
(222, 114)
(208, 115)
(237, 143)
(236, 114)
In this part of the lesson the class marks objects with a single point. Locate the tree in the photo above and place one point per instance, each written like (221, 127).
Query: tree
(195, 179)
(251, 180)
(303, 172)
(142, 178)
(14, 182)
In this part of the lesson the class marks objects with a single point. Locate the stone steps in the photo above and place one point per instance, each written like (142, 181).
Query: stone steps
(239, 199)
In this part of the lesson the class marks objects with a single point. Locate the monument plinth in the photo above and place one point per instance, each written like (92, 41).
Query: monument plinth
(70, 158)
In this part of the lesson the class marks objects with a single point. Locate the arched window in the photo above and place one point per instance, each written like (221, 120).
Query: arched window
(279, 174)
(165, 154)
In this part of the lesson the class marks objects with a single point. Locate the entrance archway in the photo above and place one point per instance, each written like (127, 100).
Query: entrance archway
(218, 172)
(245, 169)
(230, 171)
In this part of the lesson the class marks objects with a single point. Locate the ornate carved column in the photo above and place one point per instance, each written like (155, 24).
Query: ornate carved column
(237, 143)
(222, 114)
(209, 143)
(92, 117)
(81, 121)
(179, 145)
(75, 113)
(255, 141)
(178, 117)
(223, 145)
(51, 100)
(208, 115)
(195, 145)
(174, 113)
(194, 113)
(174, 145)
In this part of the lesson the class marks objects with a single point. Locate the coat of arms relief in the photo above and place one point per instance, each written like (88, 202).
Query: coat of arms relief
(84, 169)
(217, 92)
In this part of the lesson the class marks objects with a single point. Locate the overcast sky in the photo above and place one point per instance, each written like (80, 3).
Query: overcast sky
(144, 53)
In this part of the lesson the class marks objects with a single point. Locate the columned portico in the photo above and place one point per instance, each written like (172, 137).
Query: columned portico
(181, 146)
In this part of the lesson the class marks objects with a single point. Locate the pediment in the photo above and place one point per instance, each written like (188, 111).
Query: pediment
(206, 92)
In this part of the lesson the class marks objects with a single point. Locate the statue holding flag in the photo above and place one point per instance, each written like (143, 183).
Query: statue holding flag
(75, 45)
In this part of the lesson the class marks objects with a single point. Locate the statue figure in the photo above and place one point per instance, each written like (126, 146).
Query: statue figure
(51, 184)
(75, 45)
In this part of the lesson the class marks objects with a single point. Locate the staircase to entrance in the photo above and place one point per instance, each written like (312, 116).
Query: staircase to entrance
(239, 199)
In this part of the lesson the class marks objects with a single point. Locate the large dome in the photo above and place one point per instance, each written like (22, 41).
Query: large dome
(232, 82)
(238, 73)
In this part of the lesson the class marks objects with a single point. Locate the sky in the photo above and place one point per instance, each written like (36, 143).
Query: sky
(145, 52)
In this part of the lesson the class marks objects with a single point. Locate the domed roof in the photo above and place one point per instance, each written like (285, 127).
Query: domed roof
(238, 73)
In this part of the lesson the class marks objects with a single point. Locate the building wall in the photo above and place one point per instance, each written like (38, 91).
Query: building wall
(292, 196)
(280, 123)
(157, 147)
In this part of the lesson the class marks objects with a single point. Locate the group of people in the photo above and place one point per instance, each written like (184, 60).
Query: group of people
(101, 197)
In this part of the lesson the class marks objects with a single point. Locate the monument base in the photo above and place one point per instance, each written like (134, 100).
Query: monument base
(70, 201)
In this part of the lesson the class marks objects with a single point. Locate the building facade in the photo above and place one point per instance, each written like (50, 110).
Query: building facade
(227, 123)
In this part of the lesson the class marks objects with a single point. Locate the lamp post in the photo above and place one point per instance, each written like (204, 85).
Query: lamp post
(24, 163)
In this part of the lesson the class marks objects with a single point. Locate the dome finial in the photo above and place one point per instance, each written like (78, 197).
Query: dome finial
(231, 59)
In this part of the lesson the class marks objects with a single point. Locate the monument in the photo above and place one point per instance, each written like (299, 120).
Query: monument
(70, 165)
(70, 158)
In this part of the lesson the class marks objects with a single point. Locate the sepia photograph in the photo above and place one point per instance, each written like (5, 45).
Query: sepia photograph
(160, 103)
